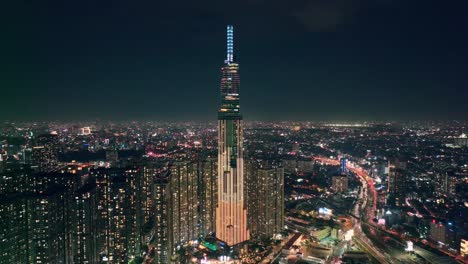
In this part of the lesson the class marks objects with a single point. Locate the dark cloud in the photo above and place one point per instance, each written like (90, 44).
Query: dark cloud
(313, 15)
(326, 15)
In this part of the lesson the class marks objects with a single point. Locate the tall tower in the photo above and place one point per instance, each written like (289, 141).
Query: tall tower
(231, 213)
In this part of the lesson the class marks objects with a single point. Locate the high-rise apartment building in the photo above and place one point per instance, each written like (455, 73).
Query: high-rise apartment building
(438, 231)
(14, 221)
(36, 227)
(207, 194)
(184, 198)
(146, 177)
(397, 182)
(231, 213)
(340, 183)
(183, 202)
(118, 223)
(16, 178)
(84, 225)
(45, 153)
(162, 239)
(49, 227)
(265, 189)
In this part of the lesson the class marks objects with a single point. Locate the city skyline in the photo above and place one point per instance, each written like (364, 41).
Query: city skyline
(386, 60)
(123, 139)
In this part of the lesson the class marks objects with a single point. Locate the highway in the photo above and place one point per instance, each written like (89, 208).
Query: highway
(367, 187)
(372, 250)
(359, 236)
(377, 253)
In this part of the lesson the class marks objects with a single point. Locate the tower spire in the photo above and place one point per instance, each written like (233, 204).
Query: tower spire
(230, 44)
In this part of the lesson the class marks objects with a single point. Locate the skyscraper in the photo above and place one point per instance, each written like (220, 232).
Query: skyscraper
(231, 213)
(396, 182)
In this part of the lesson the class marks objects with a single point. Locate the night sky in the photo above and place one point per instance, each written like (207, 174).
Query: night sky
(300, 60)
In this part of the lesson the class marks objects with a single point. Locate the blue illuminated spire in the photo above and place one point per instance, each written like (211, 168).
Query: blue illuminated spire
(230, 44)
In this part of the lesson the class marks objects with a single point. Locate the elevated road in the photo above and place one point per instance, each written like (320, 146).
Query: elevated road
(371, 250)
(369, 188)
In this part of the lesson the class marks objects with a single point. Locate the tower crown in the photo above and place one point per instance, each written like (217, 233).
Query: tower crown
(230, 80)
(229, 44)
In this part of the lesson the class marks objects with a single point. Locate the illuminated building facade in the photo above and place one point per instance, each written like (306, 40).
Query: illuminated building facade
(84, 227)
(207, 193)
(462, 140)
(396, 183)
(85, 131)
(2, 163)
(343, 169)
(162, 243)
(103, 181)
(45, 153)
(183, 202)
(123, 223)
(184, 198)
(265, 189)
(118, 235)
(16, 178)
(36, 228)
(147, 174)
(464, 247)
(231, 213)
(14, 229)
(440, 172)
(340, 183)
(445, 180)
(437, 232)
(49, 228)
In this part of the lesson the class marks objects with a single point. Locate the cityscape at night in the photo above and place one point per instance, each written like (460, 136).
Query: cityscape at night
(124, 137)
